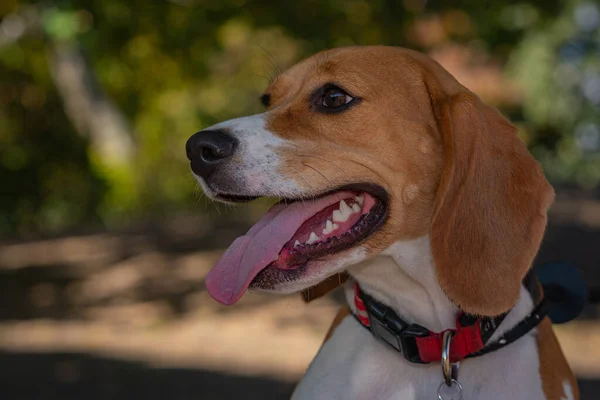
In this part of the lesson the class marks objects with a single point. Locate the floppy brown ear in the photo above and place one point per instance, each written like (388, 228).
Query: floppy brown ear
(490, 208)
(322, 288)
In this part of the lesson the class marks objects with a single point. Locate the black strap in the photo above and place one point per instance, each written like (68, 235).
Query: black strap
(521, 329)
(487, 325)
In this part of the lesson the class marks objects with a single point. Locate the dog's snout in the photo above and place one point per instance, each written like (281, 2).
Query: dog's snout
(206, 149)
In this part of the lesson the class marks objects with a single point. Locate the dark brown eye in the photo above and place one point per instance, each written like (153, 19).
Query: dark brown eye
(335, 98)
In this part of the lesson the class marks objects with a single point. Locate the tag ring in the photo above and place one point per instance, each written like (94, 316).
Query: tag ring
(458, 388)
(446, 364)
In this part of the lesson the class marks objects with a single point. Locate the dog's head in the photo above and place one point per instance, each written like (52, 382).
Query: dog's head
(368, 146)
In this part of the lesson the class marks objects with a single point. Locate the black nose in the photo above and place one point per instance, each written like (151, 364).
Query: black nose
(207, 149)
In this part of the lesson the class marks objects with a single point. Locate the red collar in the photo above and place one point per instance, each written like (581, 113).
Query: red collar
(420, 345)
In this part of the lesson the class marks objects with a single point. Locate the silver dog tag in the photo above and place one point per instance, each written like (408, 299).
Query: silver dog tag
(452, 392)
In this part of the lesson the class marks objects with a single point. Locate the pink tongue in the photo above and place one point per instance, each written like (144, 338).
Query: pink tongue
(249, 254)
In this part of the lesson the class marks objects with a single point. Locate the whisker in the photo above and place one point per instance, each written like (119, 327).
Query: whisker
(304, 179)
(273, 63)
(366, 166)
(318, 172)
(327, 161)
(267, 78)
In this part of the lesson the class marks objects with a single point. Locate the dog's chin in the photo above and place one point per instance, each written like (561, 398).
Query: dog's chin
(326, 242)
(217, 193)
(313, 272)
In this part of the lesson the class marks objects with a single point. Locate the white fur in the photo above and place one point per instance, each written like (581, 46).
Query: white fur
(403, 277)
(352, 364)
(568, 390)
(255, 166)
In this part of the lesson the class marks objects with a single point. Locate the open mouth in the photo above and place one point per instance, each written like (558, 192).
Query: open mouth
(333, 229)
(294, 233)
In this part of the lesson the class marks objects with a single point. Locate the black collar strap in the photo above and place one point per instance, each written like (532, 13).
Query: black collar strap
(419, 345)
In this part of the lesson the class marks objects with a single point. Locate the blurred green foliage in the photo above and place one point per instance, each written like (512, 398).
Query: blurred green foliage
(173, 67)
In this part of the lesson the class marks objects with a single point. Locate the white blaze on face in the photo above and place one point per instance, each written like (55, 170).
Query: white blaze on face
(256, 164)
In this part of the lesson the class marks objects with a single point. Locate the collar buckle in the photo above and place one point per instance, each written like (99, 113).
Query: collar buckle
(387, 327)
(408, 337)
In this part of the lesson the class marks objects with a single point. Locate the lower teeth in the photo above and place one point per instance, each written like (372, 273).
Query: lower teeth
(355, 229)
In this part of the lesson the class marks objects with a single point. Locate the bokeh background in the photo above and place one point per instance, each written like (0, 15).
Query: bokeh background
(105, 238)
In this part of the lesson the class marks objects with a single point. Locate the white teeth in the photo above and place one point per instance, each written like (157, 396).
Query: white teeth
(344, 207)
(338, 217)
(360, 199)
(296, 243)
(356, 208)
(313, 238)
(343, 213)
(329, 227)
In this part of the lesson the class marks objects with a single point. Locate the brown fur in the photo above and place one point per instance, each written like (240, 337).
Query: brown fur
(320, 290)
(554, 369)
(454, 167)
(342, 313)
(372, 142)
(490, 209)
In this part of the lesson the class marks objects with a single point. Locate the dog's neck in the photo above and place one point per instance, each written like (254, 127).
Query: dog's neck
(403, 278)
(352, 364)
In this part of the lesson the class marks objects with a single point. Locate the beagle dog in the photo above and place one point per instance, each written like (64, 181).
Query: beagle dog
(401, 182)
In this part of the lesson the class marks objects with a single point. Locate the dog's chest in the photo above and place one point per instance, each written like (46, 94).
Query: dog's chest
(353, 365)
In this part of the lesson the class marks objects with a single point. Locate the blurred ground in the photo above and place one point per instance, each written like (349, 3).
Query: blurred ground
(126, 315)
